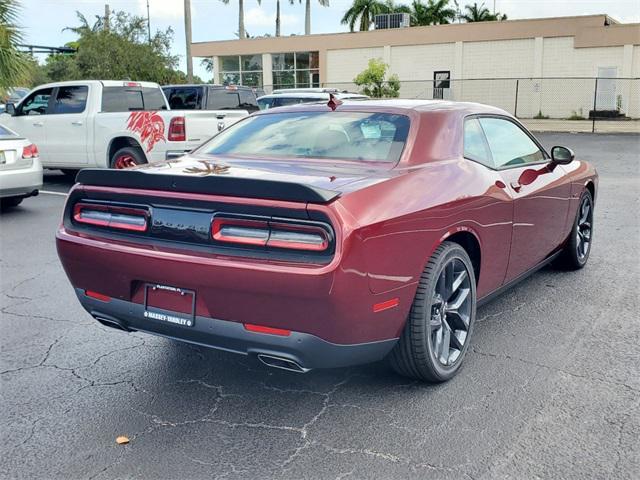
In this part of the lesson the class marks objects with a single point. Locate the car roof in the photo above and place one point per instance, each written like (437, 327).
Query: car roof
(215, 85)
(312, 95)
(399, 105)
(105, 83)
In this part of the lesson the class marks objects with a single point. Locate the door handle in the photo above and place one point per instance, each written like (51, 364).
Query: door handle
(38, 124)
(516, 186)
(77, 122)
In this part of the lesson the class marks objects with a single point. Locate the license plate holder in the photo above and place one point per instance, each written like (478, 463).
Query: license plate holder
(161, 299)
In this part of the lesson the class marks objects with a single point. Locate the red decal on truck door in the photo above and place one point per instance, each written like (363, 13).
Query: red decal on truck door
(150, 127)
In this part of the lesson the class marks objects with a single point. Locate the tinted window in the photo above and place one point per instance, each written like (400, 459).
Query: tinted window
(153, 99)
(264, 103)
(71, 99)
(283, 101)
(248, 100)
(475, 144)
(126, 99)
(340, 135)
(36, 103)
(184, 98)
(509, 145)
(221, 99)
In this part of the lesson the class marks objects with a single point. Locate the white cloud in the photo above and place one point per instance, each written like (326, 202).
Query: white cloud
(164, 9)
(257, 17)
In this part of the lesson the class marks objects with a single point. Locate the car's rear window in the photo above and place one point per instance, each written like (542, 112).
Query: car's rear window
(231, 99)
(127, 99)
(6, 133)
(365, 136)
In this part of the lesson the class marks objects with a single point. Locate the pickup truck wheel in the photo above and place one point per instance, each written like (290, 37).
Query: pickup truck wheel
(10, 202)
(127, 157)
(438, 330)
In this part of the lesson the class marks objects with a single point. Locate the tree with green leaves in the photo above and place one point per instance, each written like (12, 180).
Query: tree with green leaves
(117, 52)
(475, 13)
(363, 12)
(375, 82)
(435, 12)
(15, 66)
(241, 30)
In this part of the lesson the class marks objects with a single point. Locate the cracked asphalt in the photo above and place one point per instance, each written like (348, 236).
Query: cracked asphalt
(550, 388)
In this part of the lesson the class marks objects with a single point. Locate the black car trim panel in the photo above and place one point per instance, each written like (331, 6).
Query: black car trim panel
(212, 185)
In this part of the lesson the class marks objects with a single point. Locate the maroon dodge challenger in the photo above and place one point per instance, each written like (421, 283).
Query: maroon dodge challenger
(330, 235)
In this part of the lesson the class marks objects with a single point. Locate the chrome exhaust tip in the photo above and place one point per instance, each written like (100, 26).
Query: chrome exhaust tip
(281, 363)
(108, 322)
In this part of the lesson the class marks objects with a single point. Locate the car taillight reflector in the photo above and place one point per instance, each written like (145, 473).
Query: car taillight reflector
(30, 151)
(97, 296)
(177, 130)
(121, 218)
(268, 330)
(270, 234)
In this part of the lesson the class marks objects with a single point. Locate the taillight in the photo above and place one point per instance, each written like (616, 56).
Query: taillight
(30, 151)
(121, 218)
(176, 130)
(270, 234)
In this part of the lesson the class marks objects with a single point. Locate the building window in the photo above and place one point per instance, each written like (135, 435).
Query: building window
(295, 70)
(241, 70)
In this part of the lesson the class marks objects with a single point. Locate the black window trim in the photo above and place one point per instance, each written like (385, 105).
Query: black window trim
(54, 96)
(547, 157)
(54, 91)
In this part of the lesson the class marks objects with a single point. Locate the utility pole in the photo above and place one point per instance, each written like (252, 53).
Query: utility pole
(148, 22)
(187, 34)
(107, 13)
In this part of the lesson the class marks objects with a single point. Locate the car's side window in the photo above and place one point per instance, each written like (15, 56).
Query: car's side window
(475, 143)
(36, 103)
(510, 145)
(71, 99)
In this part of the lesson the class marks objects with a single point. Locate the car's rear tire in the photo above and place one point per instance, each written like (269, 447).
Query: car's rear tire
(576, 251)
(10, 202)
(127, 157)
(69, 173)
(436, 335)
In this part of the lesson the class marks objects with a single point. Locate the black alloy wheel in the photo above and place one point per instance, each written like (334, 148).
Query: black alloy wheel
(438, 330)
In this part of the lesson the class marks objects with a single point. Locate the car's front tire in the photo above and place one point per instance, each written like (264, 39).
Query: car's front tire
(436, 335)
(576, 251)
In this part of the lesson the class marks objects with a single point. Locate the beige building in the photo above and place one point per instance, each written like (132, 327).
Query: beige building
(529, 67)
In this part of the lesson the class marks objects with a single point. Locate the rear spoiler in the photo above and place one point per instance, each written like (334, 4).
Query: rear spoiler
(212, 185)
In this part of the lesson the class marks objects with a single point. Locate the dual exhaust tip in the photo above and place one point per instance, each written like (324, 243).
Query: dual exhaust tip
(282, 363)
(269, 360)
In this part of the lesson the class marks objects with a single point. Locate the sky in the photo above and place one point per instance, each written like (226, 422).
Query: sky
(44, 20)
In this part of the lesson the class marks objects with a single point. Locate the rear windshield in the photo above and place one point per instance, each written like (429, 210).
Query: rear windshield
(223, 99)
(378, 137)
(183, 98)
(127, 99)
(6, 133)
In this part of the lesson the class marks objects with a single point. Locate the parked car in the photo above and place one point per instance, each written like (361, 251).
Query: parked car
(292, 98)
(211, 97)
(20, 168)
(330, 235)
(116, 124)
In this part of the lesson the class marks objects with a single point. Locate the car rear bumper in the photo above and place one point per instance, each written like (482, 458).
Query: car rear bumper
(305, 350)
(21, 182)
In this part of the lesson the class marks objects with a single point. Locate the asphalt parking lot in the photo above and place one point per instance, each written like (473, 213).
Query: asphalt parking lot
(551, 388)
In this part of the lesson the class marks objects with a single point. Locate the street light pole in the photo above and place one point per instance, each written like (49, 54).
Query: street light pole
(187, 34)
(148, 22)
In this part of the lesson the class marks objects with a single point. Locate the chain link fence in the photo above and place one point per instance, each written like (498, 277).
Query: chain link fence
(543, 104)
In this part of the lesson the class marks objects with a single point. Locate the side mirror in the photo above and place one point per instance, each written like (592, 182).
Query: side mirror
(10, 109)
(562, 155)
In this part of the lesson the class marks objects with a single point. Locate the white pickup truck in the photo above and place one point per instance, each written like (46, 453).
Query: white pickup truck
(110, 124)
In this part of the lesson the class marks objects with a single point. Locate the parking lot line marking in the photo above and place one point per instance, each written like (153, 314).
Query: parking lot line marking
(53, 193)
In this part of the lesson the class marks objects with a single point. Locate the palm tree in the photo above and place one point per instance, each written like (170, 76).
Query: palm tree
(435, 12)
(364, 11)
(307, 13)
(241, 31)
(14, 65)
(475, 13)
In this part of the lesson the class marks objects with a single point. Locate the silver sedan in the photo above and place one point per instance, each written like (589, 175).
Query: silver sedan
(20, 168)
